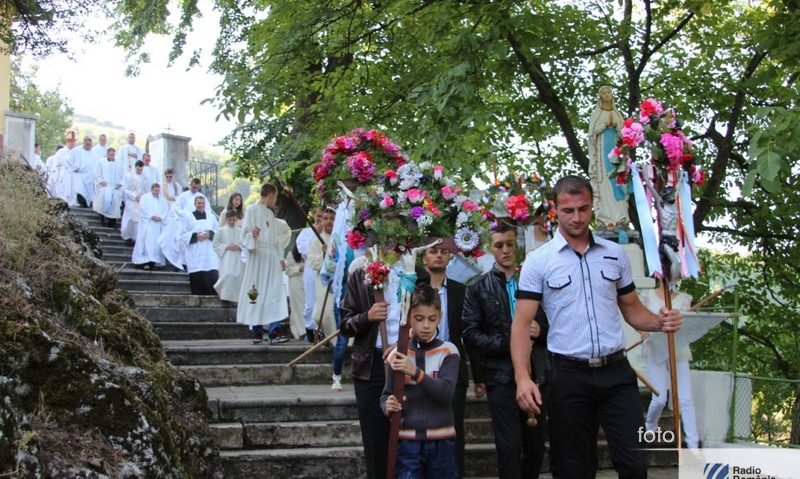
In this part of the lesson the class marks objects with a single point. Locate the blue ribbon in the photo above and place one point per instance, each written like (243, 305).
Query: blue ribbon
(511, 289)
(610, 136)
(408, 281)
(646, 223)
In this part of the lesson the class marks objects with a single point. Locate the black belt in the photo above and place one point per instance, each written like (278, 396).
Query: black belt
(593, 362)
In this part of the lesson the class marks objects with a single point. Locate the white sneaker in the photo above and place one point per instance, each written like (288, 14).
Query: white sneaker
(337, 383)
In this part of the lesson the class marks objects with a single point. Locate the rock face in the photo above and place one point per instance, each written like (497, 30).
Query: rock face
(85, 390)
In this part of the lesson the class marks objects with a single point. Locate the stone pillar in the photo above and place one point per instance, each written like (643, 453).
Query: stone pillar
(19, 138)
(171, 151)
(5, 79)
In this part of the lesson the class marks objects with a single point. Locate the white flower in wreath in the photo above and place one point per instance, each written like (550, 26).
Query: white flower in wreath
(462, 218)
(401, 197)
(424, 220)
(409, 175)
(467, 239)
(459, 200)
(425, 166)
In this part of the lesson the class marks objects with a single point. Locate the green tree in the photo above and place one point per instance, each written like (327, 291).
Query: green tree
(54, 114)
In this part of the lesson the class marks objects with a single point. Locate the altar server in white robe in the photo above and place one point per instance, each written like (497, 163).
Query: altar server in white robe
(150, 172)
(109, 177)
(153, 210)
(294, 267)
(130, 153)
(309, 277)
(135, 188)
(265, 237)
(186, 199)
(81, 164)
(53, 171)
(228, 246)
(202, 262)
(170, 188)
(323, 306)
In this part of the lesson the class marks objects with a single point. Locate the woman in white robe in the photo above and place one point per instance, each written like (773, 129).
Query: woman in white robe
(264, 237)
(135, 187)
(227, 245)
(153, 210)
(110, 180)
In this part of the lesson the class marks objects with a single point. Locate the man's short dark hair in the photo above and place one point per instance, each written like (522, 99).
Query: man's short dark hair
(425, 295)
(267, 189)
(571, 185)
(503, 227)
(114, 150)
(139, 163)
(196, 181)
(231, 214)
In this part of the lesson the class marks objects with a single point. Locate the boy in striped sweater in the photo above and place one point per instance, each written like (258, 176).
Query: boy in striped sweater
(427, 435)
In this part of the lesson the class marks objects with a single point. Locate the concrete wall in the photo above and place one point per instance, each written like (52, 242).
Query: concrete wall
(171, 151)
(19, 138)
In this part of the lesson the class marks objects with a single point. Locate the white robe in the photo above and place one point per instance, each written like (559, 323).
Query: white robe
(129, 154)
(108, 199)
(263, 267)
(230, 263)
(297, 297)
(173, 248)
(80, 165)
(100, 151)
(200, 255)
(324, 318)
(53, 173)
(134, 189)
(151, 173)
(171, 191)
(185, 201)
(309, 278)
(63, 182)
(147, 249)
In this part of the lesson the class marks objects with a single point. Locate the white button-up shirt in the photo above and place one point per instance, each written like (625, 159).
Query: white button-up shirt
(579, 294)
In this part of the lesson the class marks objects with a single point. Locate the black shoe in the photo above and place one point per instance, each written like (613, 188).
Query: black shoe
(278, 340)
(310, 336)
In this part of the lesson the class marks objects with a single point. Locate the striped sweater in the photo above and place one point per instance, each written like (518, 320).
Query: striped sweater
(427, 411)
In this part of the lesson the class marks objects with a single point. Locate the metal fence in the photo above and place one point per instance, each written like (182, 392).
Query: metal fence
(768, 417)
(208, 172)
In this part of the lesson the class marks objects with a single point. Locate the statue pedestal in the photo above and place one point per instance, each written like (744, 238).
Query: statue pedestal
(19, 138)
(171, 151)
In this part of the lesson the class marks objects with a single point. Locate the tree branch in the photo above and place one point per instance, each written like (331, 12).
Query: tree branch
(746, 234)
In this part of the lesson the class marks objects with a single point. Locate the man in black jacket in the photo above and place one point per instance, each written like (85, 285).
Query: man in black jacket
(451, 294)
(488, 312)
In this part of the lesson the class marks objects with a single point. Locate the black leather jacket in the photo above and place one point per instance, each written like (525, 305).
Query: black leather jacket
(357, 300)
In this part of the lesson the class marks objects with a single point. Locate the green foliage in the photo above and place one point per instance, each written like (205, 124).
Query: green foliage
(51, 107)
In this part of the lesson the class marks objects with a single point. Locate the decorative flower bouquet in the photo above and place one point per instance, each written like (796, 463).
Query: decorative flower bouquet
(515, 199)
(670, 148)
(356, 159)
(377, 274)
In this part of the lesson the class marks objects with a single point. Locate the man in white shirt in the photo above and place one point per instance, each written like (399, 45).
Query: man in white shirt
(100, 150)
(130, 153)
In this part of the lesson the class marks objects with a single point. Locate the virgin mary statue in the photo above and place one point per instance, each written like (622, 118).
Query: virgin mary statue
(610, 199)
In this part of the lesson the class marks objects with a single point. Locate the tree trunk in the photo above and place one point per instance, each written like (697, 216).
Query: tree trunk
(794, 437)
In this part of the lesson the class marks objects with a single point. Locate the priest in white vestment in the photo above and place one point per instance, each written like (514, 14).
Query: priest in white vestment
(202, 261)
(323, 306)
(130, 153)
(227, 244)
(265, 238)
(170, 188)
(100, 150)
(109, 177)
(80, 165)
(135, 188)
(53, 171)
(63, 188)
(153, 210)
(309, 278)
(150, 172)
(186, 199)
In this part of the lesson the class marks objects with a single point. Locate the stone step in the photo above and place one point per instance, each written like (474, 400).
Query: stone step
(346, 462)
(195, 315)
(219, 375)
(116, 258)
(136, 274)
(121, 250)
(243, 351)
(158, 299)
(194, 330)
(148, 286)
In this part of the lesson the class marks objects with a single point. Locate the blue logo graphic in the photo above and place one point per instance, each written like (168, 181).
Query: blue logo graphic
(715, 471)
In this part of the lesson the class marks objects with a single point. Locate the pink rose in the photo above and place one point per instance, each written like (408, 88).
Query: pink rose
(415, 195)
(437, 172)
(386, 202)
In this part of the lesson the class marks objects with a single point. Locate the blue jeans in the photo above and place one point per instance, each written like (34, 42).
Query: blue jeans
(433, 459)
(341, 344)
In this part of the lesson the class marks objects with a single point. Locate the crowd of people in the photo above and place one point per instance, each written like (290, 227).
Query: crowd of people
(544, 338)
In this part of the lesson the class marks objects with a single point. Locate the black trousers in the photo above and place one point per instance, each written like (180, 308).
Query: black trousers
(583, 398)
(374, 424)
(202, 282)
(520, 448)
(459, 404)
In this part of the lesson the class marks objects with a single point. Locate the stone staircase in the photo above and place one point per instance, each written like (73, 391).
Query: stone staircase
(270, 420)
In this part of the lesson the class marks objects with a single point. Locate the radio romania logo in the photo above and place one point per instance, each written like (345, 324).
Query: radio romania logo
(715, 471)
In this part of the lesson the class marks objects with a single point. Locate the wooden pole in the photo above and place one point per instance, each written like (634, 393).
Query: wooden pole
(646, 382)
(378, 295)
(705, 300)
(310, 350)
(673, 374)
(288, 192)
(398, 388)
